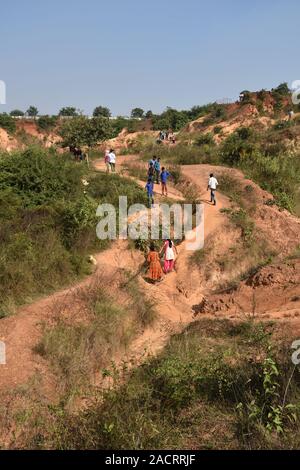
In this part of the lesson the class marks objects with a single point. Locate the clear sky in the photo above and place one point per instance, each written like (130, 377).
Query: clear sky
(146, 53)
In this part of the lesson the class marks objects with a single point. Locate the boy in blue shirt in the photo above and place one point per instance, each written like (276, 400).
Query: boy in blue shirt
(163, 178)
(149, 188)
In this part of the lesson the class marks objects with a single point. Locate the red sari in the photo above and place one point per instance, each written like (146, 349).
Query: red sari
(155, 271)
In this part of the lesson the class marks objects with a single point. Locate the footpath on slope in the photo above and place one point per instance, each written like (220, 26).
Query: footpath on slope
(174, 298)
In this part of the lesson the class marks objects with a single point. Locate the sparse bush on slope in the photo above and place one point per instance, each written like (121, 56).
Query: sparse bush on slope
(274, 170)
(7, 123)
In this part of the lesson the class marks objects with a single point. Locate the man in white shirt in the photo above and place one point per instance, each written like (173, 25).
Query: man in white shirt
(212, 185)
(112, 160)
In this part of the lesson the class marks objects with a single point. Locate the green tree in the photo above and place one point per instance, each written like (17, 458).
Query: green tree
(101, 111)
(137, 113)
(246, 96)
(32, 111)
(149, 114)
(16, 112)
(68, 111)
(82, 131)
(282, 89)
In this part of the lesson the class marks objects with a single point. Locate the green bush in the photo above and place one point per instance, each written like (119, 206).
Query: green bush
(282, 89)
(48, 221)
(108, 189)
(279, 125)
(7, 123)
(47, 123)
(236, 148)
(38, 176)
(170, 119)
(217, 129)
(205, 139)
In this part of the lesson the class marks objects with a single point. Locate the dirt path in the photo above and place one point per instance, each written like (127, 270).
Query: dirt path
(180, 290)
(174, 296)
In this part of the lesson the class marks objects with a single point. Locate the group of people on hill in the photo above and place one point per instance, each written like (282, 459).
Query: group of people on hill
(110, 161)
(159, 175)
(169, 250)
(155, 272)
(156, 174)
(167, 135)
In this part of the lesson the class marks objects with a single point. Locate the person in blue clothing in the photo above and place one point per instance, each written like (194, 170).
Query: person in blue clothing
(149, 188)
(157, 169)
(164, 178)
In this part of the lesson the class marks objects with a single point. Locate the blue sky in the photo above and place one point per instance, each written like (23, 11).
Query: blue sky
(147, 53)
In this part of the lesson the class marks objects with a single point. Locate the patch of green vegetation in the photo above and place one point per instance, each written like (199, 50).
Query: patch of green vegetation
(47, 123)
(264, 156)
(263, 161)
(216, 371)
(241, 219)
(48, 221)
(8, 123)
(231, 186)
(205, 139)
(217, 130)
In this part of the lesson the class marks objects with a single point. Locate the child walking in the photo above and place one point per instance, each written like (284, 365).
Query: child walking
(155, 272)
(164, 178)
(149, 188)
(170, 249)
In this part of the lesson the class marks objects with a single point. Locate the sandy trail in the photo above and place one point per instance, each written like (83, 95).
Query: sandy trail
(174, 297)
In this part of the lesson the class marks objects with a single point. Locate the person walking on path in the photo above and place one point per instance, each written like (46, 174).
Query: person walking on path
(151, 172)
(155, 272)
(169, 249)
(164, 178)
(112, 160)
(157, 170)
(212, 185)
(106, 161)
(149, 188)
